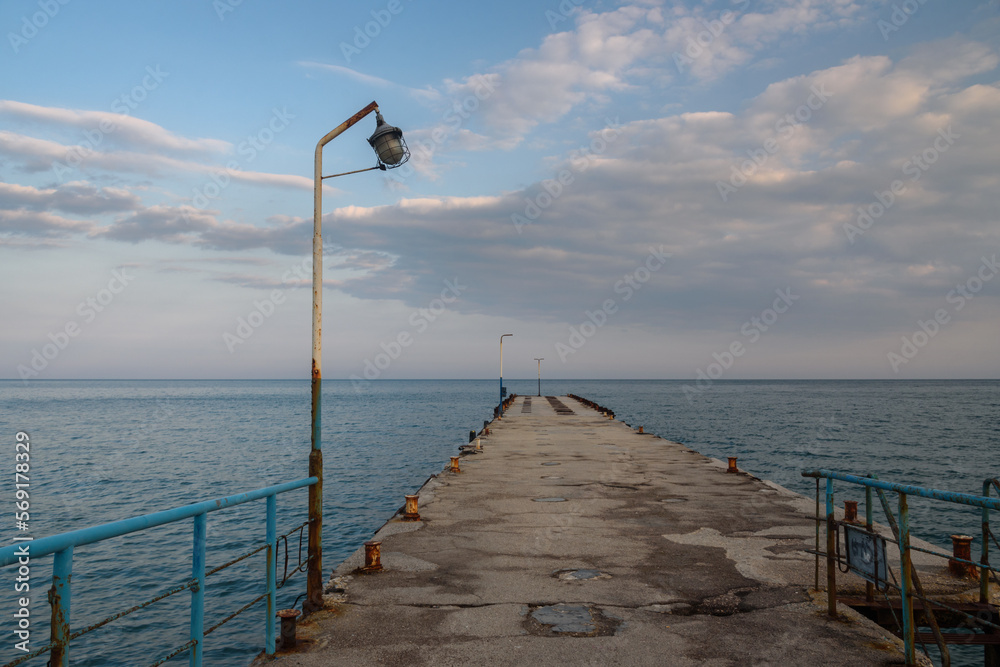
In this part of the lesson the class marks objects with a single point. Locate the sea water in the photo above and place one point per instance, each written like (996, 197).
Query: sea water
(108, 450)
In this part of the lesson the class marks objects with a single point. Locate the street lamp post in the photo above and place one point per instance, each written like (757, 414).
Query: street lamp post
(539, 360)
(501, 371)
(387, 141)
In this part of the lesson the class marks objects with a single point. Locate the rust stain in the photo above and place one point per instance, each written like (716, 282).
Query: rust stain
(361, 114)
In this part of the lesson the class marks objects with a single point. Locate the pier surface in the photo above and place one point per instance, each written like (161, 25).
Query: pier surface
(571, 539)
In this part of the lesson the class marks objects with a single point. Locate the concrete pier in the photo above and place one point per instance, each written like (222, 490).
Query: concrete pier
(572, 539)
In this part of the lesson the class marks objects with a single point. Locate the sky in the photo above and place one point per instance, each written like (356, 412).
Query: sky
(698, 191)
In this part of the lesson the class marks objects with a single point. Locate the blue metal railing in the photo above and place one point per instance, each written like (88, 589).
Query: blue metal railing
(984, 580)
(902, 530)
(62, 546)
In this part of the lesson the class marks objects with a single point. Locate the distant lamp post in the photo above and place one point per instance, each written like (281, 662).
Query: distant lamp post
(387, 141)
(539, 360)
(501, 371)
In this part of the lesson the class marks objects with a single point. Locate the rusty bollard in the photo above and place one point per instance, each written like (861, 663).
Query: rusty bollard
(640, 429)
(732, 465)
(373, 556)
(851, 511)
(288, 617)
(411, 513)
(454, 464)
(961, 547)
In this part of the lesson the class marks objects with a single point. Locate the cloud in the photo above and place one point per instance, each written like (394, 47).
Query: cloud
(542, 85)
(653, 185)
(119, 129)
(657, 184)
(40, 223)
(38, 155)
(615, 51)
(427, 94)
(191, 226)
(76, 197)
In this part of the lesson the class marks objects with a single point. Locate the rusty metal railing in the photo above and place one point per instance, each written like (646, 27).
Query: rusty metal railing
(62, 546)
(909, 587)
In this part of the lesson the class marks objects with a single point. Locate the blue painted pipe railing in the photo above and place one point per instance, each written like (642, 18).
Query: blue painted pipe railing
(984, 580)
(63, 545)
(984, 502)
(908, 489)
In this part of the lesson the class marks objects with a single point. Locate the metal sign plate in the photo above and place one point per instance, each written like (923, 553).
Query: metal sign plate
(866, 554)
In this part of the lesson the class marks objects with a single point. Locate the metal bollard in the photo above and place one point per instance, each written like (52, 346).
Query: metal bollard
(454, 464)
(961, 547)
(732, 465)
(851, 511)
(640, 429)
(472, 436)
(288, 618)
(411, 513)
(373, 556)
(479, 444)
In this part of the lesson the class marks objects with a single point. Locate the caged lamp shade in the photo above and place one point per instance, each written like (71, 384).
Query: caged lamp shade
(388, 144)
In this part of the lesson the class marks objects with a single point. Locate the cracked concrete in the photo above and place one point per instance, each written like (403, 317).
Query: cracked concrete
(698, 567)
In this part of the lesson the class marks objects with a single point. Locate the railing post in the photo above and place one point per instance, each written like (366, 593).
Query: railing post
(272, 587)
(198, 590)
(816, 558)
(60, 596)
(907, 576)
(984, 559)
(869, 586)
(831, 548)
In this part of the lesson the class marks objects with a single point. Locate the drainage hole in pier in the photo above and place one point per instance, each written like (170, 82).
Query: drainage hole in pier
(549, 500)
(580, 575)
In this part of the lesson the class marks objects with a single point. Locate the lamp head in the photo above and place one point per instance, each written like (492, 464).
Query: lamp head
(388, 144)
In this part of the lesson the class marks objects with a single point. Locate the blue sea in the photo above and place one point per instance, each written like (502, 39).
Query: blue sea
(108, 450)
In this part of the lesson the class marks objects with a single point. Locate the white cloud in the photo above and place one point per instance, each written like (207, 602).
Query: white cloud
(38, 155)
(76, 197)
(115, 128)
(427, 94)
